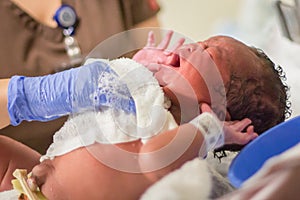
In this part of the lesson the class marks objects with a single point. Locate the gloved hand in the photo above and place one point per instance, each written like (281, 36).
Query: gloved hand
(89, 87)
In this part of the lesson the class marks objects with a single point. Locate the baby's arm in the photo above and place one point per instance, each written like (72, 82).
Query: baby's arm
(14, 155)
(169, 150)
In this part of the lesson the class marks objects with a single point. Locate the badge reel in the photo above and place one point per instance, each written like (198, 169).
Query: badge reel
(66, 19)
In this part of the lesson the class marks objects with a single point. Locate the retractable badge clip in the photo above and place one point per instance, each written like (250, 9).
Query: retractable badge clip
(66, 18)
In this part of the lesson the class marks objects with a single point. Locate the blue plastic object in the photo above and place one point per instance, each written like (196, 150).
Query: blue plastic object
(272, 142)
(65, 16)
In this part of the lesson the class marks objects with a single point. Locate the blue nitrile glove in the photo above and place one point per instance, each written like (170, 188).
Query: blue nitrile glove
(45, 98)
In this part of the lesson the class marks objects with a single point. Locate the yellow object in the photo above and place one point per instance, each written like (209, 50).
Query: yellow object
(20, 184)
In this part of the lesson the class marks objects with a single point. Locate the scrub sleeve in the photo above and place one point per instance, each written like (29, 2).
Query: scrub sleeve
(32, 49)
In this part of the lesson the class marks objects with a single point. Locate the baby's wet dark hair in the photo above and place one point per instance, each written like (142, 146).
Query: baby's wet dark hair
(264, 100)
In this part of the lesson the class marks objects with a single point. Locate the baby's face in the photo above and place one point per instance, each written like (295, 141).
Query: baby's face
(199, 72)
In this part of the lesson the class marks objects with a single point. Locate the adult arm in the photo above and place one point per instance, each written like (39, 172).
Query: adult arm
(3, 103)
(14, 155)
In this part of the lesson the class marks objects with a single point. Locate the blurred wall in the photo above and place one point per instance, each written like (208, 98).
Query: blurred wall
(197, 18)
(254, 22)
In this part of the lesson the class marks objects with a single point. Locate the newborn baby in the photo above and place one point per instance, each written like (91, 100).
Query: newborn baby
(118, 151)
(103, 147)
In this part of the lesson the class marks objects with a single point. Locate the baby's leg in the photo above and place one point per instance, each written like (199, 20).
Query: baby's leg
(13, 155)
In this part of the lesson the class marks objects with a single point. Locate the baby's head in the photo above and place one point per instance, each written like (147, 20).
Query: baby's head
(263, 99)
(252, 84)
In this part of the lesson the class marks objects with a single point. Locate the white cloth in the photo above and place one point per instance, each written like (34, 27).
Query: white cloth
(211, 128)
(116, 126)
(192, 181)
(9, 195)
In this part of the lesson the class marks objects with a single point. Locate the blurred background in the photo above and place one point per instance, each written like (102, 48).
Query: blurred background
(197, 19)
(255, 22)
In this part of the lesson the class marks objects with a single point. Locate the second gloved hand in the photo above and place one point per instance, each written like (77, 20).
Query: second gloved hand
(44, 98)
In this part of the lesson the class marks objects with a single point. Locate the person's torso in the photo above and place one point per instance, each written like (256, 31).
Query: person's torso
(32, 49)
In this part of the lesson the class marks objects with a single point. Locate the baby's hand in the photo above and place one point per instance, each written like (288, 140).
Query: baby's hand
(152, 54)
(234, 134)
(233, 130)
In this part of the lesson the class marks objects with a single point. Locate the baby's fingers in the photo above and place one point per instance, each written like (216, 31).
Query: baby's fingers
(241, 125)
(166, 41)
(245, 139)
(178, 44)
(250, 129)
(251, 133)
(150, 40)
(248, 136)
